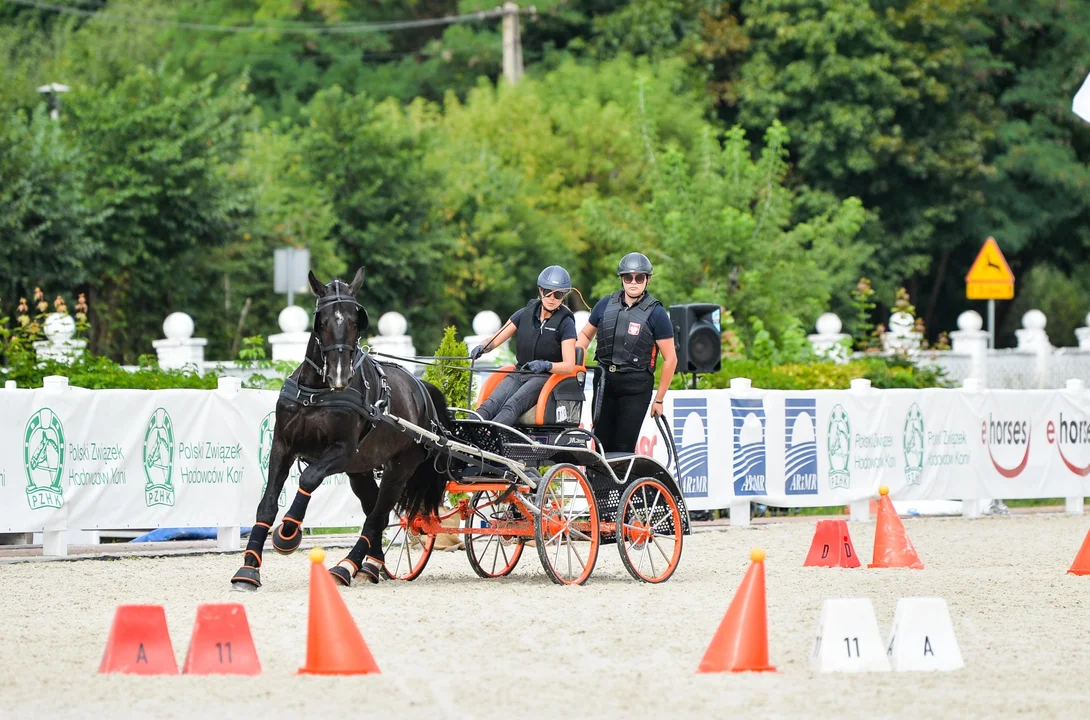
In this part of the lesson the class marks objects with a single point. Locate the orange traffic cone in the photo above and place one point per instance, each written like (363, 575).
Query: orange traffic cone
(832, 546)
(334, 643)
(892, 548)
(741, 642)
(1081, 566)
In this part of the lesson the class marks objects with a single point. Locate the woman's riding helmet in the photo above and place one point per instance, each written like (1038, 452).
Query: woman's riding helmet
(634, 262)
(554, 277)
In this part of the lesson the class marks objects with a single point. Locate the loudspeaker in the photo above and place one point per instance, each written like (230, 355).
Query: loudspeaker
(697, 337)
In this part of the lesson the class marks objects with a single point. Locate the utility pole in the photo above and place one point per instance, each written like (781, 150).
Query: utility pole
(512, 44)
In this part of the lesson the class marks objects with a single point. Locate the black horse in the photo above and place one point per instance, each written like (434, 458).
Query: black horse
(329, 414)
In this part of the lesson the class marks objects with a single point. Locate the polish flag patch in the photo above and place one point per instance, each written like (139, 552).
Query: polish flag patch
(633, 328)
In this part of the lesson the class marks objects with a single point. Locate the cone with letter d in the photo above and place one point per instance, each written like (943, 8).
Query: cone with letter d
(334, 643)
(741, 642)
(892, 548)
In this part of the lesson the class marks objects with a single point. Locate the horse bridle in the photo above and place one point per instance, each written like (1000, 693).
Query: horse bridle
(322, 303)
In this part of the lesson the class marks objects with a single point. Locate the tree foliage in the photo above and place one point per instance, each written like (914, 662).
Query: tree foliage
(894, 137)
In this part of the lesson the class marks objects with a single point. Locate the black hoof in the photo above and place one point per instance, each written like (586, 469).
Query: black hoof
(370, 573)
(247, 579)
(287, 544)
(341, 575)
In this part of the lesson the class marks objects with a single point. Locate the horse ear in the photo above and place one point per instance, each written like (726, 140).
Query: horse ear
(317, 287)
(356, 284)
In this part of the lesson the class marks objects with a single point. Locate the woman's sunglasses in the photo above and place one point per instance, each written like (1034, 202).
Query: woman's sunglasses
(637, 278)
(555, 294)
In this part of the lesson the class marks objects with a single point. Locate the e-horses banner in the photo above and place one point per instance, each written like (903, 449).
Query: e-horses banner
(90, 459)
(832, 447)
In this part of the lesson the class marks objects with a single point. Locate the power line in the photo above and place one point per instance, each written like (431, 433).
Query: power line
(318, 29)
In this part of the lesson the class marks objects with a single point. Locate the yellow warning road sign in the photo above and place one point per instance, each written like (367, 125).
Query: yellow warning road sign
(990, 277)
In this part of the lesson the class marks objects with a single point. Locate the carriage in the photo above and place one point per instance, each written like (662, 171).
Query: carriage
(545, 483)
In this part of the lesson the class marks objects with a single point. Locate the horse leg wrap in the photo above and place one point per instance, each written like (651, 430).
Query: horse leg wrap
(256, 543)
(288, 536)
(344, 571)
(371, 569)
(248, 576)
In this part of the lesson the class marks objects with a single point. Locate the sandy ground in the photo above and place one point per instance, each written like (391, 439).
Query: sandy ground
(452, 645)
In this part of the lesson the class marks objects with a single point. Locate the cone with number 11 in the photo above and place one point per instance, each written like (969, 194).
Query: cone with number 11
(741, 642)
(892, 548)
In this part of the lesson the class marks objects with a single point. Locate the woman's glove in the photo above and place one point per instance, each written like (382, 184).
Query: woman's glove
(476, 352)
(539, 366)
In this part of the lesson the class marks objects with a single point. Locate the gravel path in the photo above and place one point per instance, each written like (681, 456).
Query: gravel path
(452, 645)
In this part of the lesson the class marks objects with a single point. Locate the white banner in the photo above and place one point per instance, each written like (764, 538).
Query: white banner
(832, 447)
(87, 459)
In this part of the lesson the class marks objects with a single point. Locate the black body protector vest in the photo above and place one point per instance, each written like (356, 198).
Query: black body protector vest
(625, 342)
(539, 343)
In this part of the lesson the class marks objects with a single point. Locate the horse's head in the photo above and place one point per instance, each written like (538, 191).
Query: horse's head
(338, 321)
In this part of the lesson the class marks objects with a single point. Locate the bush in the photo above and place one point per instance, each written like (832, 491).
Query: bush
(881, 372)
(446, 374)
(95, 372)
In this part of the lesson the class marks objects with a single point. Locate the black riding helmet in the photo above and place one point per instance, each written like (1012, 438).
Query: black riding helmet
(554, 277)
(634, 262)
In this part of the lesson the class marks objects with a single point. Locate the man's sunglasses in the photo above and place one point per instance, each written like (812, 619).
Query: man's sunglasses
(634, 278)
(555, 294)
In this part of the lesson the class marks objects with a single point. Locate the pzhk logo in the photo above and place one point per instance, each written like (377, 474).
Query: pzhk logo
(998, 434)
(914, 445)
(800, 446)
(1074, 434)
(264, 453)
(159, 459)
(43, 458)
(749, 446)
(691, 438)
(840, 448)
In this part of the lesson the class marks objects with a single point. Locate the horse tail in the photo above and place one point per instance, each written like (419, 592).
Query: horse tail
(424, 491)
(439, 400)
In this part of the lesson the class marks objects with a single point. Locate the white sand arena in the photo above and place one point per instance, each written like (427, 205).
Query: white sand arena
(452, 645)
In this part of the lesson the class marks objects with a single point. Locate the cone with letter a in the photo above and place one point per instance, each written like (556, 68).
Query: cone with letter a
(892, 548)
(832, 546)
(139, 643)
(741, 642)
(1081, 566)
(334, 643)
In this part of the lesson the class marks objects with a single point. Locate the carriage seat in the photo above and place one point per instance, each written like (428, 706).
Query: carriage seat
(560, 402)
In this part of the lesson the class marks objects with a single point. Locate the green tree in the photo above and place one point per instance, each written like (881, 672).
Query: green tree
(158, 147)
(725, 232)
(1038, 205)
(370, 158)
(519, 162)
(883, 102)
(45, 216)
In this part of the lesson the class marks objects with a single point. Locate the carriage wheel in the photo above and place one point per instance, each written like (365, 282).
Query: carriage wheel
(406, 550)
(649, 531)
(493, 556)
(566, 531)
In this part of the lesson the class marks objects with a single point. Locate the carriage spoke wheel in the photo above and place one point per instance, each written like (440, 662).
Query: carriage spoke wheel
(493, 556)
(566, 531)
(406, 550)
(649, 531)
